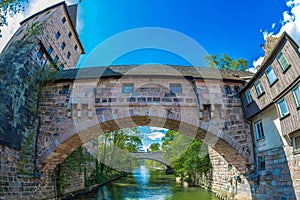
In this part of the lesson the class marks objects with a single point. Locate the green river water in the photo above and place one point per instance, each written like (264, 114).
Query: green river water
(143, 185)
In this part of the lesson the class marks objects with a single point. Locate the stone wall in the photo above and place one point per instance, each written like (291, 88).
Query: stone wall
(225, 180)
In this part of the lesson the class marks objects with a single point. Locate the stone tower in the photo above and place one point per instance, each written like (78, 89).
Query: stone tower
(56, 40)
(47, 37)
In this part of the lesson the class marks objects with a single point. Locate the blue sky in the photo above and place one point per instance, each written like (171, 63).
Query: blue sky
(151, 135)
(231, 27)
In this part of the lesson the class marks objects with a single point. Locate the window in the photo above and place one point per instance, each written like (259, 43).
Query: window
(282, 61)
(63, 20)
(63, 45)
(206, 112)
(271, 75)
(68, 55)
(227, 90)
(49, 50)
(296, 94)
(55, 59)
(259, 131)
(128, 88)
(248, 97)
(69, 34)
(258, 87)
(282, 107)
(40, 53)
(61, 67)
(57, 35)
(75, 47)
(296, 143)
(261, 163)
(175, 88)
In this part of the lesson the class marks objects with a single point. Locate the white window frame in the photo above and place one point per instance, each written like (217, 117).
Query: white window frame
(249, 98)
(280, 108)
(294, 143)
(269, 76)
(259, 130)
(128, 85)
(259, 88)
(296, 94)
(281, 56)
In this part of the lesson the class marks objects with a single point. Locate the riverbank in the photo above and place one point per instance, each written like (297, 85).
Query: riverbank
(91, 189)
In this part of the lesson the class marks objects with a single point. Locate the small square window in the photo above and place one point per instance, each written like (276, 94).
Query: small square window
(69, 34)
(261, 163)
(282, 61)
(296, 143)
(50, 49)
(63, 20)
(127, 88)
(55, 59)
(57, 35)
(40, 54)
(282, 107)
(296, 94)
(68, 55)
(271, 75)
(63, 45)
(248, 97)
(259, 131)
(258, 87)
(75, 47)
(175, 88)
(61, 67)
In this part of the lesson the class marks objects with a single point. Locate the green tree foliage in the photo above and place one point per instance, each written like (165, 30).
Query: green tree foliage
(9, 7)
(187, 156)
(154, 147)
(225, 62)
(113, 145)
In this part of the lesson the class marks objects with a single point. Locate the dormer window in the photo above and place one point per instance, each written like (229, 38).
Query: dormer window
(282, 61)
(75, 47)
(69, 34)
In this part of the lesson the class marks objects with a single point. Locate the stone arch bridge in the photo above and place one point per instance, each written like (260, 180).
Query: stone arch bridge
(200, 102)
(156, 156)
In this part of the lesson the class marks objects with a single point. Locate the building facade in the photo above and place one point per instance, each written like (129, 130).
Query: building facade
(271, 104)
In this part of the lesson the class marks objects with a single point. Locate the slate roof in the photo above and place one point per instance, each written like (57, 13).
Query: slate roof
(152, 70)
(72, 10)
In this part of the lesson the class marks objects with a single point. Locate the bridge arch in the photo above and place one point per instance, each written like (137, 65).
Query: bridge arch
(155, 156)
(97, 105)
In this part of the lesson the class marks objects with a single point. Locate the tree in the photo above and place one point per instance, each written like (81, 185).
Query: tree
(225, 62)
(8, 7)
(154, 147)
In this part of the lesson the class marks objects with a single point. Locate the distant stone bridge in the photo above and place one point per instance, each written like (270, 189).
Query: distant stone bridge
(156, 156)
(200, 102)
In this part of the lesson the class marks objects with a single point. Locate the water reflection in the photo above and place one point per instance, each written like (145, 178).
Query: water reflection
(146, 185)
(141, 176)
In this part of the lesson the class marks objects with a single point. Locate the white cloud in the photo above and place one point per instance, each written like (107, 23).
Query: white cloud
(258, 62)
(152, 128)
(290, 23)
(291, 20)
(34, 6)
(156, 136)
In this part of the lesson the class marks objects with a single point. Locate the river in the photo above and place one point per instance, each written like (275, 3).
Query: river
(143, 185)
